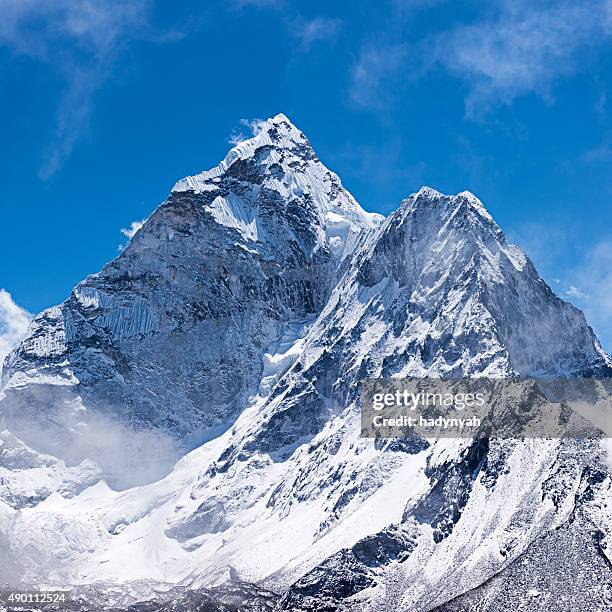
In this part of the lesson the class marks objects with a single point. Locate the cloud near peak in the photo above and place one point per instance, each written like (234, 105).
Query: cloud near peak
(14, 322)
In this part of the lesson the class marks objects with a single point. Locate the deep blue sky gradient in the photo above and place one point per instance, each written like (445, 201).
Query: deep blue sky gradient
(392, 95)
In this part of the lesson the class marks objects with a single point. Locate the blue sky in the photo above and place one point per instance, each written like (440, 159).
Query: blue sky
(104, 105)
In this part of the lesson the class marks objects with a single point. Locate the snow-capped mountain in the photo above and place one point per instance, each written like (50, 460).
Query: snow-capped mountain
(233, 334)
(211, 279)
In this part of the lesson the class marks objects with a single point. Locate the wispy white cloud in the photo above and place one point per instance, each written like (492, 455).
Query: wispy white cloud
(248, 128)
(134, 227)
(14, 322)
(376, 66)
(309, 31)
(129, 232)
(389, 57)
(574, 292)
(521, 47)
(32, 27)
(72, 119)
(81, 41)
(510, 49)
(236, 137)
(306, 31)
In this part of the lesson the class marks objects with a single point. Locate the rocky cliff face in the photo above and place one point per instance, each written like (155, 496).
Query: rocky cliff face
(171, 333)
(242, 319)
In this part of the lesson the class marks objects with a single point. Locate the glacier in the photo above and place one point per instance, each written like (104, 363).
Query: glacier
(186, 424)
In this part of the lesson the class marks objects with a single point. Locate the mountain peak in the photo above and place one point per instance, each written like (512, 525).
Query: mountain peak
(278, 132)
(475, 203)
(428, 194)
(283, 123)
(278, 159)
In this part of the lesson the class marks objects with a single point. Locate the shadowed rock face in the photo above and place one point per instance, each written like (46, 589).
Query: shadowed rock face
(349, 571)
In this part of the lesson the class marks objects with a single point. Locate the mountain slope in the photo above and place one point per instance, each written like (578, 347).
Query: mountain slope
(242, 319)
(210, 280)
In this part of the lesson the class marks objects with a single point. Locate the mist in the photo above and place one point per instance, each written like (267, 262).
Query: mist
(72, 432)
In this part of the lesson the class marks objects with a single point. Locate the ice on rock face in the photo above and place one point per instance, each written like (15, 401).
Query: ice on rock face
(242, 318)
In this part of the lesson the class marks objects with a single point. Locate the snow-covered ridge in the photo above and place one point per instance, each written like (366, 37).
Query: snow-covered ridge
(472, 201)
